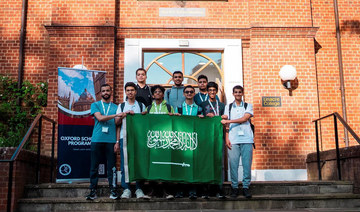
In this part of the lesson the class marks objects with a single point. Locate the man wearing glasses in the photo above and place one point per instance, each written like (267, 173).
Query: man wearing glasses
(203, 95)
(212, 107)
(189, 107)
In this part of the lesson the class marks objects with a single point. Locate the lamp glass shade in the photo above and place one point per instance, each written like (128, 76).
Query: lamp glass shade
(287, 72)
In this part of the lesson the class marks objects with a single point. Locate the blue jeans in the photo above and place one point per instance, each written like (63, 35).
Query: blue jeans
(245, 151)
(125, 185)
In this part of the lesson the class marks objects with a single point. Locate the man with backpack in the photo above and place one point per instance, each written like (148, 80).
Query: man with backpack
(239, 140)
(159, 105)
(130, 106)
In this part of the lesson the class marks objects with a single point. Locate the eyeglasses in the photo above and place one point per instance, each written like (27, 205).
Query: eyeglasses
(189, 92)
(212, 90)
(157, 92)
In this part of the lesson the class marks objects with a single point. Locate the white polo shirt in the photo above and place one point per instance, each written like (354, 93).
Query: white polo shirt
(240, 133)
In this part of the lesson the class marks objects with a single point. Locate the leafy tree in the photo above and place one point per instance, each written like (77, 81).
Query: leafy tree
(15, 119)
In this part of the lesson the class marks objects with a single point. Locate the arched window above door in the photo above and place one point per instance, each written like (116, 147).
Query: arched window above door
(160, 65)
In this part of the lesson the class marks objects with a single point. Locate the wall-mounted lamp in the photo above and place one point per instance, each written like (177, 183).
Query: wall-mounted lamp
(288, 78)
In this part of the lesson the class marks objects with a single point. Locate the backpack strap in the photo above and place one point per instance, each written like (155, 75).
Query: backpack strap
(168, 107)
(149, 108)
(140, 106)
(122, 106)
(180, 110)
(230, 106)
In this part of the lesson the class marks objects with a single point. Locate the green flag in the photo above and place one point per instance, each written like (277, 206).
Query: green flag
(173, 148)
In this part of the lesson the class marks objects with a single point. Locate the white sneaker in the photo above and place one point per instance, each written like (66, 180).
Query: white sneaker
(126, 194)
(140, 194)
(169, 197)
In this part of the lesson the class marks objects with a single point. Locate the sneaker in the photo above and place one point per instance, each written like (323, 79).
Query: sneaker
(140, 194)
(179, 194)
(192, 196)
(220, 195)
(234, 192)
(114, 194)
(92, 195)
(169, 197)
(205, 196)
(126, 194)
(246, 193)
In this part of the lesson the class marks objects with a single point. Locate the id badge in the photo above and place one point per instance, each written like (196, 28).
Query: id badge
(105, 129)
(241, 132)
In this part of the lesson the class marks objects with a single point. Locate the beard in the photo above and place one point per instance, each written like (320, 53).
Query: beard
(106, 97)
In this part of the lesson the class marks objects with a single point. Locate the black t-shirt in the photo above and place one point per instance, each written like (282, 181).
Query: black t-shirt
(143, 95)
(207, 108)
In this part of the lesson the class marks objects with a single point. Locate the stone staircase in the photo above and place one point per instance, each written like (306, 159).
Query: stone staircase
(266, 196)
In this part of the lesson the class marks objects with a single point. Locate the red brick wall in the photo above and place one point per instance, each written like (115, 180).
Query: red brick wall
(328, 69)
(219, 14)
(274, 33)
(10, 19)
(24, 172)
(284, 135)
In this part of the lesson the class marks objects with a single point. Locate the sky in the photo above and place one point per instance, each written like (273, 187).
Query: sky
(74, 81)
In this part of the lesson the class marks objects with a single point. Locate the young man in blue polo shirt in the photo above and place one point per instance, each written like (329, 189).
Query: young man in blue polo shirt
(239, 140)
(103, 141)
(130, 106)
(174, 96)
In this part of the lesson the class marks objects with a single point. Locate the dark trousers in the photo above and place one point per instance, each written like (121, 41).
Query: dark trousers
(97, 152)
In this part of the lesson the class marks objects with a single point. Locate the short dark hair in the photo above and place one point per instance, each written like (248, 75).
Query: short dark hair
(178, 72)
(140, 69)
(105, 85)
(212, 85)
(238, 87)
(130, 84)
(188, 86)
(153, 89)
(202, 77)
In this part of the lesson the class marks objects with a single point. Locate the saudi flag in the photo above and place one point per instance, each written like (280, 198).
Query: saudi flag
(173, 148)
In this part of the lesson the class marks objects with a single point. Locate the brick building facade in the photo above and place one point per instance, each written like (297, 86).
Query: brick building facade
(271, 34)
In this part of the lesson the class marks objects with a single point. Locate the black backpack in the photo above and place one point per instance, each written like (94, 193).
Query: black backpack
(251, 125)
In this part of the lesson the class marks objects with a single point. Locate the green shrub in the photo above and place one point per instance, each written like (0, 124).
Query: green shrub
(15, 119)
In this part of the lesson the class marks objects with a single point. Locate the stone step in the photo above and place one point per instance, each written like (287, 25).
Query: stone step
(257, 188)
(263, 202)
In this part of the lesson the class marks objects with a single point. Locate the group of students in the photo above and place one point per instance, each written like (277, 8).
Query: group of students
(107, 137)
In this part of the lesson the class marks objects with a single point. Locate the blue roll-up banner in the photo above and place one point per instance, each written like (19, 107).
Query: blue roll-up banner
(77, 90)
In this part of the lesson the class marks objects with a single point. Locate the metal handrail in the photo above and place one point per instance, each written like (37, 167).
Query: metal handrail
(38, 119)
(349, 129)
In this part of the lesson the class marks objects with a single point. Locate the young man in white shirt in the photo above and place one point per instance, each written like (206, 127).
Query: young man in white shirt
(239, 140)
(130, 106)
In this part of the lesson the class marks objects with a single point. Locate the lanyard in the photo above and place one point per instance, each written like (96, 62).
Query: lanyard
(156, 110)
(186, 107)
(107, 112)
(203, 100)
(217, 107)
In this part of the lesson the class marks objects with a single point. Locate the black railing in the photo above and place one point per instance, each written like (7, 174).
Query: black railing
(351, 131)
(38, 119)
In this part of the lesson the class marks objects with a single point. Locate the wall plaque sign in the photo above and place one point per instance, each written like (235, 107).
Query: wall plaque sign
(271, 101)
(182, 12)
